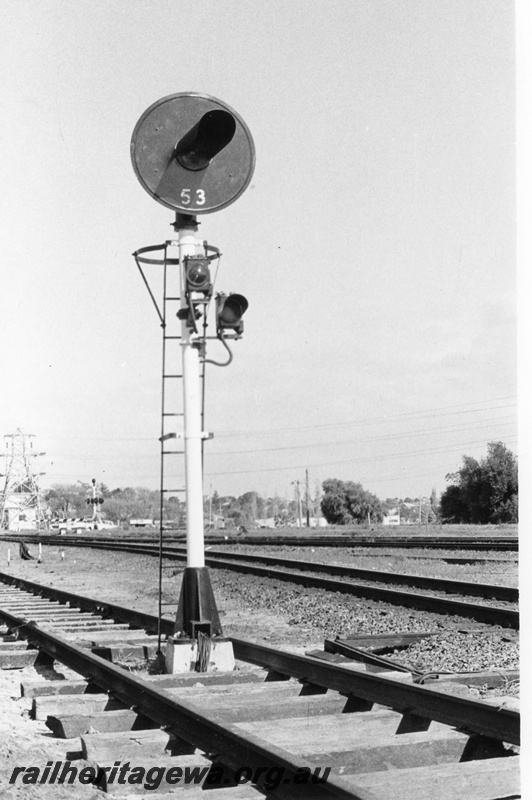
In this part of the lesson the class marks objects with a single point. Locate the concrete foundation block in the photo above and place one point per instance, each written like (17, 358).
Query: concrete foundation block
(181, 655)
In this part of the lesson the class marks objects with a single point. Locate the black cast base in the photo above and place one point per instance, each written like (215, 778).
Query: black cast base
(197, 610)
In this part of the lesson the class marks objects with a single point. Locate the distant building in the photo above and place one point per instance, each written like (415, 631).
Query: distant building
(19, 512)
(273, 522)
(217, 523)
(268, 522)
(392, 519)
(314, 522)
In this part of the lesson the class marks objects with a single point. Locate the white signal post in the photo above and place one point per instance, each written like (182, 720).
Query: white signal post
(193, 435)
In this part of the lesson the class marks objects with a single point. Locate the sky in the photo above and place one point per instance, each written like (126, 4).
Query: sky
(375, 243)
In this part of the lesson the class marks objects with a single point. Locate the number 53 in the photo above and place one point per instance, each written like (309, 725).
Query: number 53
(186, 198)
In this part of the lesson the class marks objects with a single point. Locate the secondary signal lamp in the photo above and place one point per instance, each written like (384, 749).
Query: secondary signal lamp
(230, 309)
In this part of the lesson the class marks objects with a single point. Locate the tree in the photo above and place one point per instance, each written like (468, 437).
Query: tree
(502, 475)
(121, 505)
(345, 503)
(409, 510)
(66, 499)
(483, 492)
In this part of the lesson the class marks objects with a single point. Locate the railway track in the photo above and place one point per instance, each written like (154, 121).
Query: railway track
(436, 542)
(506, 593)
(415, 541)
(361, 583)
(271, 724)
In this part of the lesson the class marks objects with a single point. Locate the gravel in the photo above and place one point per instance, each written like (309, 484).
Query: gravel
(272, 611)
(461, 651)
(316, 612)
(500, 568)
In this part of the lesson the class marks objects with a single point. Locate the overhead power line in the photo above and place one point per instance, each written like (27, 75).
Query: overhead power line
(153, 477)
(388, 457)
(384, 437)
(365, 421)
(341, 423)
(492, 423)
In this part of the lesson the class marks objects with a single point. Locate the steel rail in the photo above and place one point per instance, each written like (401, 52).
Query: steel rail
(450, 585)
(359, 541)
(207, 731)
(137, 619)
(435, 542)
(46, 538)
(508, 593)
(412, 699)
(360, 654)
(492, 615)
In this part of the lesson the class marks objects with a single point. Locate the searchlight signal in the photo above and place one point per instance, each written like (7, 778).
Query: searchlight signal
(193, 153)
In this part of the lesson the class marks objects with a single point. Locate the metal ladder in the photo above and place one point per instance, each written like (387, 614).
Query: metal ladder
(171, 372)
(171, 360)
(171, 408)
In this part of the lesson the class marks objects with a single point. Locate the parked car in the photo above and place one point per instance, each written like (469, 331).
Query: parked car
(104, 525)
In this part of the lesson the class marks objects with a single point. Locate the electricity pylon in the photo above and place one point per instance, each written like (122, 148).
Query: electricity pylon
(20, 501)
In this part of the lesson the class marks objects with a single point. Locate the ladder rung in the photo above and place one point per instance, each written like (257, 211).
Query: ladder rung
(173, 452)
(172, 376)
(173, 491)
(173, 414)
(173, 298)
(173, 337)
(167, 436)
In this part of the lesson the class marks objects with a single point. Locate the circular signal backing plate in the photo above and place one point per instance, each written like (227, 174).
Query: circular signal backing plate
(153, 143)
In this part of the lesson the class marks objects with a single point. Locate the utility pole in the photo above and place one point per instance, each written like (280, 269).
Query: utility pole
(317, 504)
(298, 502)
(307, 498)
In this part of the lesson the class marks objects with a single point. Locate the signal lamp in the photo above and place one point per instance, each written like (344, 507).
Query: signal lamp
(198, 274)
(230, 309)
(202, 142)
